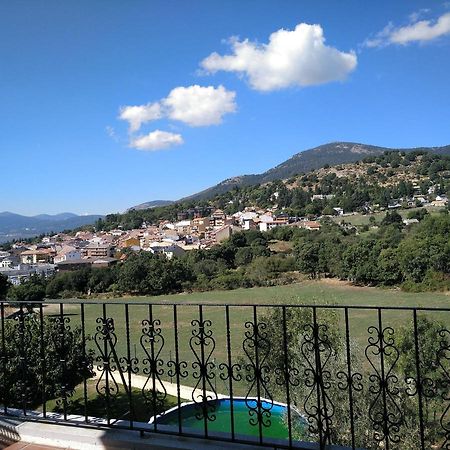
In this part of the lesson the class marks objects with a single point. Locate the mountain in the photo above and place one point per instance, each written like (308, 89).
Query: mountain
(152, 204)
(61, 216)
(16, 226)
(332, 154)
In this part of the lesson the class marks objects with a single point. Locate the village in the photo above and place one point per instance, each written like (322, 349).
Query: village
(195, 228)
(67, 252)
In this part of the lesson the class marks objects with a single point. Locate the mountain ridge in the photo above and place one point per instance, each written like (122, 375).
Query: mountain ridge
(333, 153)
(16, 226)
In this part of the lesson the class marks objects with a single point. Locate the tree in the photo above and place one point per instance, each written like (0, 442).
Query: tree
(307, 257)
(244, 256)
(32, 290)
(430, 338)
(4, 286)
(360, 261)
(418, 214)
(319, 342)
(392, 218)
(22, 377)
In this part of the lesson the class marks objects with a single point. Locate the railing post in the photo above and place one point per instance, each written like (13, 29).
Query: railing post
(287, 375)
(349, 377)
(419, 379)
(130, 390)
(230, 370)
(42, 357)
(85, 362)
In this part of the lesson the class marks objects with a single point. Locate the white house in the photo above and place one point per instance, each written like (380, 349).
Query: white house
(67, 253)
(168, 249)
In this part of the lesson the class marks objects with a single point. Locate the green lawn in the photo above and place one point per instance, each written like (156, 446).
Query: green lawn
(363, 219)
(119, 406)
(310, 292)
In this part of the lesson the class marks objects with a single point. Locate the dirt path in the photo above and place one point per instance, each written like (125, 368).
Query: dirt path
(186, 392)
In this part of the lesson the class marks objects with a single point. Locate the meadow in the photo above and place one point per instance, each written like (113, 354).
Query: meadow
(359, 219)
(240, 301)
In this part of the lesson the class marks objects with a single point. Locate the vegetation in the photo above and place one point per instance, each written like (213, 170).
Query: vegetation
(376, 180)
(22, 378)
(4, 286)
(301, 352)
(119, 405)
(416, 257)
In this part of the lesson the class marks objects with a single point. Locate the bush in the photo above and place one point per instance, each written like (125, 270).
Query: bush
(22, 381)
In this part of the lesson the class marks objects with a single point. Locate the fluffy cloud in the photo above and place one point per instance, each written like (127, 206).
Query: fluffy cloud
(137, 115)
(416, 31)
(199, 106)
(291, 58)
(156, 140)
(196, 106)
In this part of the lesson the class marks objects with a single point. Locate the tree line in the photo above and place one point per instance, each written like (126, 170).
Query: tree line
(417, 258)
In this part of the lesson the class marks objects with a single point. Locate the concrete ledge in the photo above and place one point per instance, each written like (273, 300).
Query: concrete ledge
(82, 438)
(78, 436)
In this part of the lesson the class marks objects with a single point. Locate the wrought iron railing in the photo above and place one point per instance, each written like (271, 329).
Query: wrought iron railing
(290, 376)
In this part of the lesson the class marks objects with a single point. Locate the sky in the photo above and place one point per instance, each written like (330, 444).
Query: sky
(107, 104)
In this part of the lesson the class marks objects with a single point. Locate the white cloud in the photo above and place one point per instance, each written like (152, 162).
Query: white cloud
(137, 115)
(196, 106)
(423, 30)
(291, 58)
(416, 15)
(111, 133)
(199, 106)
(416, 31)
(156, 140)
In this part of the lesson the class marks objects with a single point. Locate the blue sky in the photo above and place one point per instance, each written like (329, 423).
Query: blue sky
(283, 77)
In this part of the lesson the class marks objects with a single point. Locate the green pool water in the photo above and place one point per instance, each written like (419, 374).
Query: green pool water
(241, 418)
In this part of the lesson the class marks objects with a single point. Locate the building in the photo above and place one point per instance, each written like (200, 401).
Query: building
(98, 250)
(274, 223)
(130, 242)
(218, 218)
(223, 233)
(201, 224)
(38, 256)
(16, 275)
(67, 253)
(168, 249)
(311, 225)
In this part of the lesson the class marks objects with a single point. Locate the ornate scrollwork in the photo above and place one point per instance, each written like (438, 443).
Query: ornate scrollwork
(257, 348)
(230, 371)
(202, 345)
(152, 341)
(177, 369)
(317, 351)
(62, 349)
(354, 381)
(107, 363)
(384, 412)
(427, 387)
(443, 358)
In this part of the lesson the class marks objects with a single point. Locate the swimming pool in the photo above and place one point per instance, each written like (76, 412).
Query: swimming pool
(222, 424)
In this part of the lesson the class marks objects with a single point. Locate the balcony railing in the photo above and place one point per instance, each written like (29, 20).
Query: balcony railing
(284, 376)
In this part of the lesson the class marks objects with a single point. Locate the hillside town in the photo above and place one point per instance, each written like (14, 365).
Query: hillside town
(195, 228)
(67, 252)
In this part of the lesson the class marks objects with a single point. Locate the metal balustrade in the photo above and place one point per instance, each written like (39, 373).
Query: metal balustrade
(350, 376)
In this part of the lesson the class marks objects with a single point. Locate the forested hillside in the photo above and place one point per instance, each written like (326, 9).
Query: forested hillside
(368, 185)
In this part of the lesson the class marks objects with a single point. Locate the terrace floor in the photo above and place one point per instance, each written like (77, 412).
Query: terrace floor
(28, 446)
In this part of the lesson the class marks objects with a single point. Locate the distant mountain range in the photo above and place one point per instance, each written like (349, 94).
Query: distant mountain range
(16, 226)
(332, 154)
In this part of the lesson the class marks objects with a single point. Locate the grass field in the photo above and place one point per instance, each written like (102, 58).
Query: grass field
(119, 407)
(240, 301)
(363, 219)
